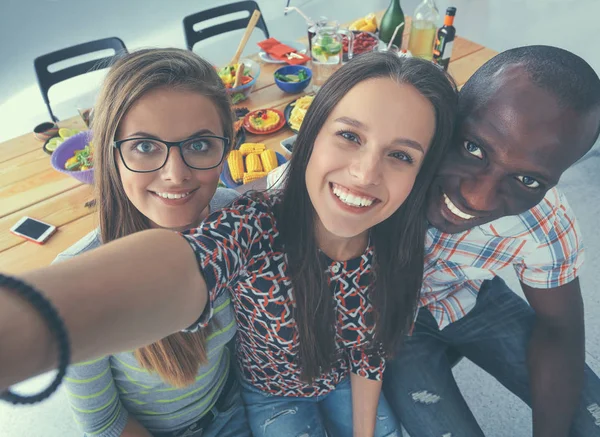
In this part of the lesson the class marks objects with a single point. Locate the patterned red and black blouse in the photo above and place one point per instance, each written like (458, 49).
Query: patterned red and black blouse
(238, 252)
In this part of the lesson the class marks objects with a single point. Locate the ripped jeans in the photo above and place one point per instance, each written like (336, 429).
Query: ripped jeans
(419, 383)
(320, 416)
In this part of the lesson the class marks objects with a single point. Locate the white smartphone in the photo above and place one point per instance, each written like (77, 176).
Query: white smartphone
(33, 230)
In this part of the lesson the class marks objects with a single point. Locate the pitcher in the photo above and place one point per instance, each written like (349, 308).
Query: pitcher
(327, 50)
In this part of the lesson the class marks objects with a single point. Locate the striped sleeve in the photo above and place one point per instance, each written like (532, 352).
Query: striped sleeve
(559, 256)
(94, 399)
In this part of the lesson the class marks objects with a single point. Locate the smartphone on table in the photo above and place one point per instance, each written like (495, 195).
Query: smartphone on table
(33, 230)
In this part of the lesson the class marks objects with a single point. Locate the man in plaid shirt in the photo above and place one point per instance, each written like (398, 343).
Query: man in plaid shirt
(524, 118)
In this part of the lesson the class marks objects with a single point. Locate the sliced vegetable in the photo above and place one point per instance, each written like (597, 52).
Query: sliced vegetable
(235, 75)
(281, 77)
(302, 75)
(72, 163)
(237, 97)
(81, 160)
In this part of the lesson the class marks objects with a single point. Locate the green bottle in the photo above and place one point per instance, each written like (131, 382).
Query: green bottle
(391, 19)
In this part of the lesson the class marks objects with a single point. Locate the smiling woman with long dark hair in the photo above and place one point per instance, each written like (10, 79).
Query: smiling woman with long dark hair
(324, 275)
(397, 240)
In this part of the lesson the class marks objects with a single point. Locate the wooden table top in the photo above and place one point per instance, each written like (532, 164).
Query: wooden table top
(29, 186)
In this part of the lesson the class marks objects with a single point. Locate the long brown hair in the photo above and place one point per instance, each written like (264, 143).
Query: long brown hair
(176, 358)
(398, 241)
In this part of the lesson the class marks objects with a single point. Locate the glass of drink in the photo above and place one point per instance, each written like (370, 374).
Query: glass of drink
(312, 30)
(392, 49)
(327, 51)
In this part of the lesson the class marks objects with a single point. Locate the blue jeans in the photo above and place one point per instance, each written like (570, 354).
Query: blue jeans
(232, 421)
(320, 416)
(419, 383)
(229, 421)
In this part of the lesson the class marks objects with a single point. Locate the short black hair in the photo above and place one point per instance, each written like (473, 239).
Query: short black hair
(564, 74)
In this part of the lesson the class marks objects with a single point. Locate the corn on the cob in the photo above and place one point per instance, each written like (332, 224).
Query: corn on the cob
(235, 161)
(249, 177)
(248, 148)
(253, 163)
(269, 160)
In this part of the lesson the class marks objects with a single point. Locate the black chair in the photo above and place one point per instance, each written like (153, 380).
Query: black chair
(47, 79)
(192, 36)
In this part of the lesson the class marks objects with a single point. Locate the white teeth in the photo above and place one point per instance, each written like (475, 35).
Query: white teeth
(351, 199)
(172, 195)
(454, 209)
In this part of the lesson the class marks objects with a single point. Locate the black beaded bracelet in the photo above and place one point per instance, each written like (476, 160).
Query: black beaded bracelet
(57, 327)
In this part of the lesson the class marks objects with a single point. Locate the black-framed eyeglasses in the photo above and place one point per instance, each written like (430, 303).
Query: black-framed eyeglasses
(145, 155)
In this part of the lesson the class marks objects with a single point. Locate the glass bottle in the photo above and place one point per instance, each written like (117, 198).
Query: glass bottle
(391, 19)
(423, 29)
(445, 40)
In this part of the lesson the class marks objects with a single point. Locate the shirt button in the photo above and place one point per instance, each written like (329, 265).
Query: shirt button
(335, 268)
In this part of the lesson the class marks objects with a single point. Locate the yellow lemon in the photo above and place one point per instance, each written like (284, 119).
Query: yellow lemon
(53, 143)
(66, 133)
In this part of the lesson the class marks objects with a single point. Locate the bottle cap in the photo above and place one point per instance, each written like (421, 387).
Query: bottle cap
(451, 11)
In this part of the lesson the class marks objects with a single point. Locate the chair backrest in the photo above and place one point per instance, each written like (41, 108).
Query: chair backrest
(192, 36)
(47, 79)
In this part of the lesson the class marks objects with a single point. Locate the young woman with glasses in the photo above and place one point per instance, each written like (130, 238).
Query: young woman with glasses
(162, 127)
(324, 274)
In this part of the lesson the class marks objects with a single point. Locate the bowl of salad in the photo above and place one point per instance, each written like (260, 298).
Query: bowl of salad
(74, 156)
(293, 78)
(239, 79)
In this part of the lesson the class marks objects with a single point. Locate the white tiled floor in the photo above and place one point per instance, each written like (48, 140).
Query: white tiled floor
(29, 28)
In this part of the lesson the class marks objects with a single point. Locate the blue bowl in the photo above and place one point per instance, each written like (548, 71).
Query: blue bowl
(293, 87)
(242, 92)
(226, 174)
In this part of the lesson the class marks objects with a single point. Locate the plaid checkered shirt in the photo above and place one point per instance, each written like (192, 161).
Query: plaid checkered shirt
(543, 245)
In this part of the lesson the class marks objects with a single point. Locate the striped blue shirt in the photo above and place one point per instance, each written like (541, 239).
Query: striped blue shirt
(104, 391)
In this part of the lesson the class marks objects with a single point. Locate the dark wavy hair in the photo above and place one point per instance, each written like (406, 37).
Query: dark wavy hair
(398, 241)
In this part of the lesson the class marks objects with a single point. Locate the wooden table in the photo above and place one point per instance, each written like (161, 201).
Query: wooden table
(30, 186)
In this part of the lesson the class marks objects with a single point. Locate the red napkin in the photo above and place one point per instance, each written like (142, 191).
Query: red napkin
(279, 51)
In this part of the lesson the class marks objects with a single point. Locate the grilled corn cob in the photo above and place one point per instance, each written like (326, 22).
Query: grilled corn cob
(253, 164)
(248, 148)
(235, 161)
(249, 177)
(269, 160)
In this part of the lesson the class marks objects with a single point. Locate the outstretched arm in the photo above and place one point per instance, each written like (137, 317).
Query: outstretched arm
(123, 295)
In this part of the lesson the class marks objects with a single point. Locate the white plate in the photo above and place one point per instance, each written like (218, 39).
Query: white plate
(298, 46)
